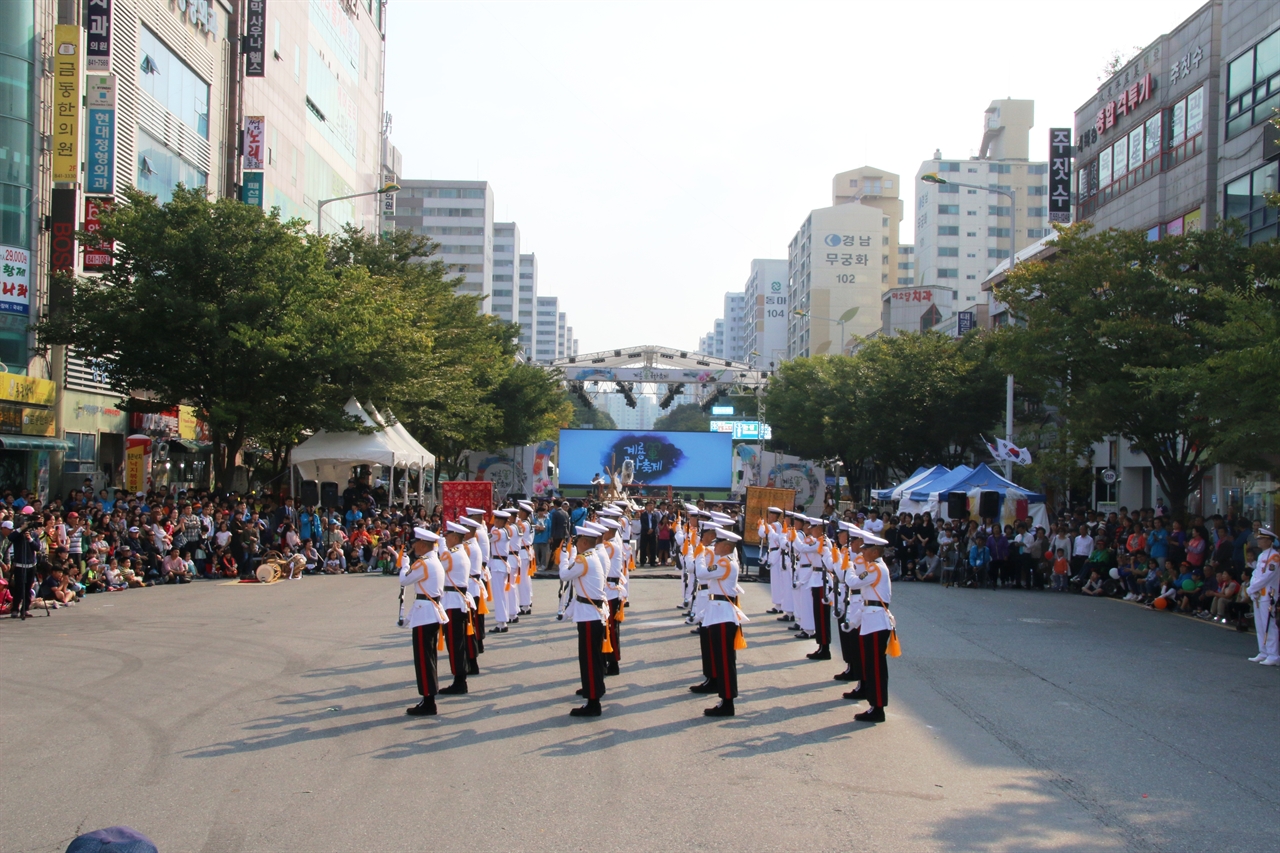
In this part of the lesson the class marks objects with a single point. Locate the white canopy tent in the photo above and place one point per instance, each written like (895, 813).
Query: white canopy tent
(330, 456)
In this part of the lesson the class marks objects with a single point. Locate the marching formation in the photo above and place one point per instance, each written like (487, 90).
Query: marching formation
(474, 569)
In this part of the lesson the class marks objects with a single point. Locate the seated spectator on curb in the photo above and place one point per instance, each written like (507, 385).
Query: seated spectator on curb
(929, 568)
(980, 560)
(311, 556)
(54, 589)
(334, 562)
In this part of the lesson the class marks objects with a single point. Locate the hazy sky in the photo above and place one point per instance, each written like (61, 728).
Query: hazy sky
(648, 151)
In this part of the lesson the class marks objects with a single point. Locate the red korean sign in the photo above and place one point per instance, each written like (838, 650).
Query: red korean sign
(96, 258)
(1138, 92)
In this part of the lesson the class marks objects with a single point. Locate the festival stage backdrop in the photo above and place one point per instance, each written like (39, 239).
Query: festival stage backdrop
(683, 460)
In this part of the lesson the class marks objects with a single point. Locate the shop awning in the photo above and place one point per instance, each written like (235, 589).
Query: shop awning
(28, 442)
(190, 446)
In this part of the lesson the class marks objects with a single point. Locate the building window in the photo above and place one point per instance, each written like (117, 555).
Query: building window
(997, 232)
(949, 189)
(502, 278)
(947, 272)
(1245, 200)
(948, 230)
(79, 458)
(948, 210)
(499, 293)
(167, 78)
(473, 193)
(1037, 233)
(1186, 118)
(1039, 189)
(1253, 86)
(906, 280)
(160, 169)
(997, 253)
(948, 167)
(999, 168)
(945, 252)
(997, 210)
(1038, 169)
(1037, 212)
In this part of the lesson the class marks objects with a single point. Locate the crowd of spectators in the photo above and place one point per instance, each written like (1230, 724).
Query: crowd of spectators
(1200, 568)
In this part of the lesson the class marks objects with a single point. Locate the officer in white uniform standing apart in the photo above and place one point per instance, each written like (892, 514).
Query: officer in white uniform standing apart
(585, 575)
(771, 540)
(1264, 589)
(425, 576)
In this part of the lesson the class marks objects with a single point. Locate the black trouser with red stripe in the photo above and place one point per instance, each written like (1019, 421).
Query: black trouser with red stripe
(478, 637)
(425, 638)
(615, 630)
(821, 616)
(851, 652)
(708, 662)
(590, 658)
(875, 667)
(724, 657)
(457, 642)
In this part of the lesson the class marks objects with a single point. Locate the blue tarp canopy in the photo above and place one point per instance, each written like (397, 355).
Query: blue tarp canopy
(988, 480)
(921, 491)
(922, 475)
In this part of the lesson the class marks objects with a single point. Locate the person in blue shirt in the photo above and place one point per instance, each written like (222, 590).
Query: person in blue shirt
(309, 524)
(353, 515)
(1158, 542)
(578, 515)
(980, 559)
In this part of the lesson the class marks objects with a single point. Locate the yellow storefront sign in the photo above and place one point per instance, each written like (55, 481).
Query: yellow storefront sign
(27, 389)
(187, 422)
(38, 422)
(66, 103)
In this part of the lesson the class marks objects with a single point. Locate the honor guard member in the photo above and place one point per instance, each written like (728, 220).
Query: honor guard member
(527, 564)
(585, 576)
(808, 559)
(610, 550)
(514, 575)
(1264, 589)
(482, 533)
(849, 601)
(822, 591)
(771, 537)
(722, 619)
(477, 579)
(873, 635)
(562, 559)
(457, 605)
(687, 536)
(702, 556)
(500, 571)
(425, 576)
(793, 531)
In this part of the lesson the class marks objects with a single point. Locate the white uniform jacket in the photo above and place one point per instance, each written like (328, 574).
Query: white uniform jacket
(585, 576)
(821, 564)
(475, 577)
(457, 565)
(1265, 579)
(498, 542)
(807, 558)
(425, 576)
(610, 551)
(848, 566)
(873, 580)
(720, 574)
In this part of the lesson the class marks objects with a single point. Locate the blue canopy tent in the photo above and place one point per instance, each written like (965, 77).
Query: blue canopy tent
(922, 498)
(1015, 502)
(921, 476)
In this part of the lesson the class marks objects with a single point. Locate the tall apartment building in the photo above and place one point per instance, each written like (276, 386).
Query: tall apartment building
(459, 216)
(506, 256)
(713, 342)
(546, 330)
(735, 306)
(962, 233)
(764, 319)
(839, 262)
(526, 303)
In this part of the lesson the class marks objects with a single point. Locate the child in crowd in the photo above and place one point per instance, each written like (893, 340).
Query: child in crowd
(1093, 586)
(1061, 568)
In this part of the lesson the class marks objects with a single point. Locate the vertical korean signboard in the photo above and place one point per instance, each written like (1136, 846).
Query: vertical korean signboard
(255, 39)
(1060, 174)
(251, 188)
(255, 141)
(97, 48)
(62, 245)
(96, 258)
(66, 105)
(100, 173)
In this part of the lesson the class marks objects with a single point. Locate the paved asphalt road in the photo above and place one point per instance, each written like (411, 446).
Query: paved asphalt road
(228, 718)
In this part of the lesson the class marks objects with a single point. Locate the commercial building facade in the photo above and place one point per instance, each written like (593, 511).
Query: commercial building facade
(764, 320)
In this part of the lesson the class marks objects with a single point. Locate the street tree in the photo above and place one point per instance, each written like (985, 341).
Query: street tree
(686, 417)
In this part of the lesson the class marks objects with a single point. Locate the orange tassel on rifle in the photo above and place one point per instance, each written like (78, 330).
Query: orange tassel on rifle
(440, 640)
(893, 648)
(622, 611)
(606, 647)
(739, 642)
(471, 629)
(507, 584)
(481, 607)
(488, 590)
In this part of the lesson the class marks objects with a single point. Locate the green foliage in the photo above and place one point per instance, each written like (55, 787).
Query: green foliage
(686, 417)
(899, 402)
(1118, 328)
(596, 418)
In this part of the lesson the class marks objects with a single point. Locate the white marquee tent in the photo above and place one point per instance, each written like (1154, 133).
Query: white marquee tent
(330, 456)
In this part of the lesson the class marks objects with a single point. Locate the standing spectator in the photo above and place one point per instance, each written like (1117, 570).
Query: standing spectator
(1081, 549)
(542, 537)
(980, 559)
(648, 535)
(1197, 549)
(559, 525)
(25, 546)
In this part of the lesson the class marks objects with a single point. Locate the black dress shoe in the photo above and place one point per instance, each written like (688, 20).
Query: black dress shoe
(724, 709)
(425, 708)
(611, 668)
(795, 626)
(495, 630)
(458, 688)
(591, 709)
(708, 686)
(823, 653)
(514, 620)
(871, 715)
(783, 618)
(804, 635)
(473, 668)
(772, 610)
(845, 676)
(855, 695)
(580, 692)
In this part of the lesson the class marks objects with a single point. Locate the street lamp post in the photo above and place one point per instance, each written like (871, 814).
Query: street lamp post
(801, 313)
(387, 188)
(933, 178)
